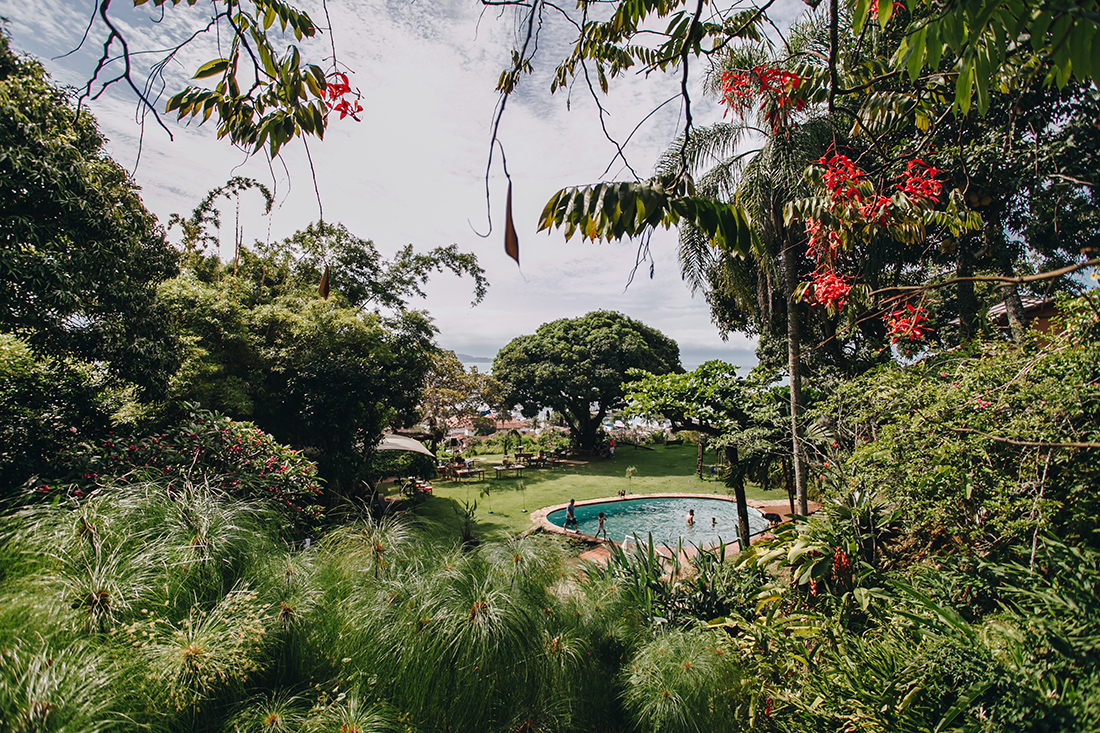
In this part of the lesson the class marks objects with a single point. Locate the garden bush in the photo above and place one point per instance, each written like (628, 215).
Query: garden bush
(203, 448)
(974, 447)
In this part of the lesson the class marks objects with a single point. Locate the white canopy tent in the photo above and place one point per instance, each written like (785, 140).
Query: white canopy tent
(400, 442)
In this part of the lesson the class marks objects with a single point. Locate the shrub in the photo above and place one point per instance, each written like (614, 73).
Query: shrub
(976, 447)
(204, 448)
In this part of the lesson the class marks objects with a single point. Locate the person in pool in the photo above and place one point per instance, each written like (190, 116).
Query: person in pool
(602, 528)
(714, 522)
(691, 517)
(571, 515)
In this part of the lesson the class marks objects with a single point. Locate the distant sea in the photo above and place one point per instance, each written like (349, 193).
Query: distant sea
(484, 364)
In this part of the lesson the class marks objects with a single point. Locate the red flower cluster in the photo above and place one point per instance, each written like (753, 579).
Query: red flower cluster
(908, 323)
(737, 91)
(822, 243)
(842, 178)
(920, 181)
(830, 288)
(337, 89)
(876, 209)
(841, 562)
(777, 89)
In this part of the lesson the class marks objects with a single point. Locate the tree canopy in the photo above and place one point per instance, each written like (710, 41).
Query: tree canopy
(80, 256)
(318, 374)
(577, 366)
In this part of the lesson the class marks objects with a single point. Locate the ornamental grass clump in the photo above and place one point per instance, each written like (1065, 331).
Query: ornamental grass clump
(204, 656)
(49, 686)
(679, 681)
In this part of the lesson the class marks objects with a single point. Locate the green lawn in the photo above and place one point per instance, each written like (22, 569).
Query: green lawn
(500, 512)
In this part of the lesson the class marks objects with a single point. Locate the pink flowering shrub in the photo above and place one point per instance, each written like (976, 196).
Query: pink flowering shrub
(205, 447)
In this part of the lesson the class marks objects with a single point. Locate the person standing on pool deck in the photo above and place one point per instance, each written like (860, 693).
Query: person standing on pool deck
(571, 515)
(602, 528)
(690, 518)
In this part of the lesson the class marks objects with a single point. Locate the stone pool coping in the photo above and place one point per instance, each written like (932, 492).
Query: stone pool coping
(541, 523)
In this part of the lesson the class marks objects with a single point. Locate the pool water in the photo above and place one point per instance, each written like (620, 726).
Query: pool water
(633, 520)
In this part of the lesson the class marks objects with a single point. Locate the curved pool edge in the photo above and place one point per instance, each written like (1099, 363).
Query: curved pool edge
(541, 523)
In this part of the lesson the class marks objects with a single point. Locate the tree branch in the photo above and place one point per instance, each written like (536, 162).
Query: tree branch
(1026, 443)
(994, 278)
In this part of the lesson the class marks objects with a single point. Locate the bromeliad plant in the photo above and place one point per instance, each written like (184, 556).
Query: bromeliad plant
(834, 562)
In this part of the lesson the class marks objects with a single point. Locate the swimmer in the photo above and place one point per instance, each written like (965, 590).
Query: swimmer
(714, 521)
(691, 517)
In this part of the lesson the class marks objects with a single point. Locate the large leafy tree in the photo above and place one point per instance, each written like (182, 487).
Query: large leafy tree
(577, 366)
(80, 256)
(318, 374)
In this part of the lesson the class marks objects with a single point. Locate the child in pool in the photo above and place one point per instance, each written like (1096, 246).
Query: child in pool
(602, 528)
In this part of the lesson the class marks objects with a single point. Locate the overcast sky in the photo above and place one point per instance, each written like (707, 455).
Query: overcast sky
(413, 170)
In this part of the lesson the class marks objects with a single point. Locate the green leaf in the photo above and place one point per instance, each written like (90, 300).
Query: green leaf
(916, 52)
(859, 14)
(885, 11)
(211, 68)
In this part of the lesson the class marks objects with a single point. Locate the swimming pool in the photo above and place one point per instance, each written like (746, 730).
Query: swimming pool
(630, 520)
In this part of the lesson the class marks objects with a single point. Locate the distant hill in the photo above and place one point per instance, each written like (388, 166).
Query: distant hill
(467, 359)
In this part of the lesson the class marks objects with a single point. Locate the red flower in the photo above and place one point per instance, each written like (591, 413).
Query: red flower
(877, 209)
(337, 89)
(920, 181)
(830, 288)
(819, 237)
(776, 88)
(907, 324)
(841, 177)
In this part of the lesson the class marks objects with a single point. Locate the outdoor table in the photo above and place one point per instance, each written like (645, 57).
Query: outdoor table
(518, 468)
(470, 473)
(524, 456)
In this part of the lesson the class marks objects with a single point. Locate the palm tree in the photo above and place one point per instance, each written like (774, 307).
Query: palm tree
(755, 294)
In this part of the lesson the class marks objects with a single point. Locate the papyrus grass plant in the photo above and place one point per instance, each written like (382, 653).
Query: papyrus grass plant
(47, 686)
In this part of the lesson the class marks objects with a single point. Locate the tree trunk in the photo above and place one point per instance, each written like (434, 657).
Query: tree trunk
(700, 455)
(738, 476)
(794, 367)
(788, 480)
(964, 293)
(997, 243)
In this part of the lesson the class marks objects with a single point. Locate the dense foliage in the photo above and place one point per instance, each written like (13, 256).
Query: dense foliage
(80, 256)
(978, 445)
(156, 575)
(315, 373)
